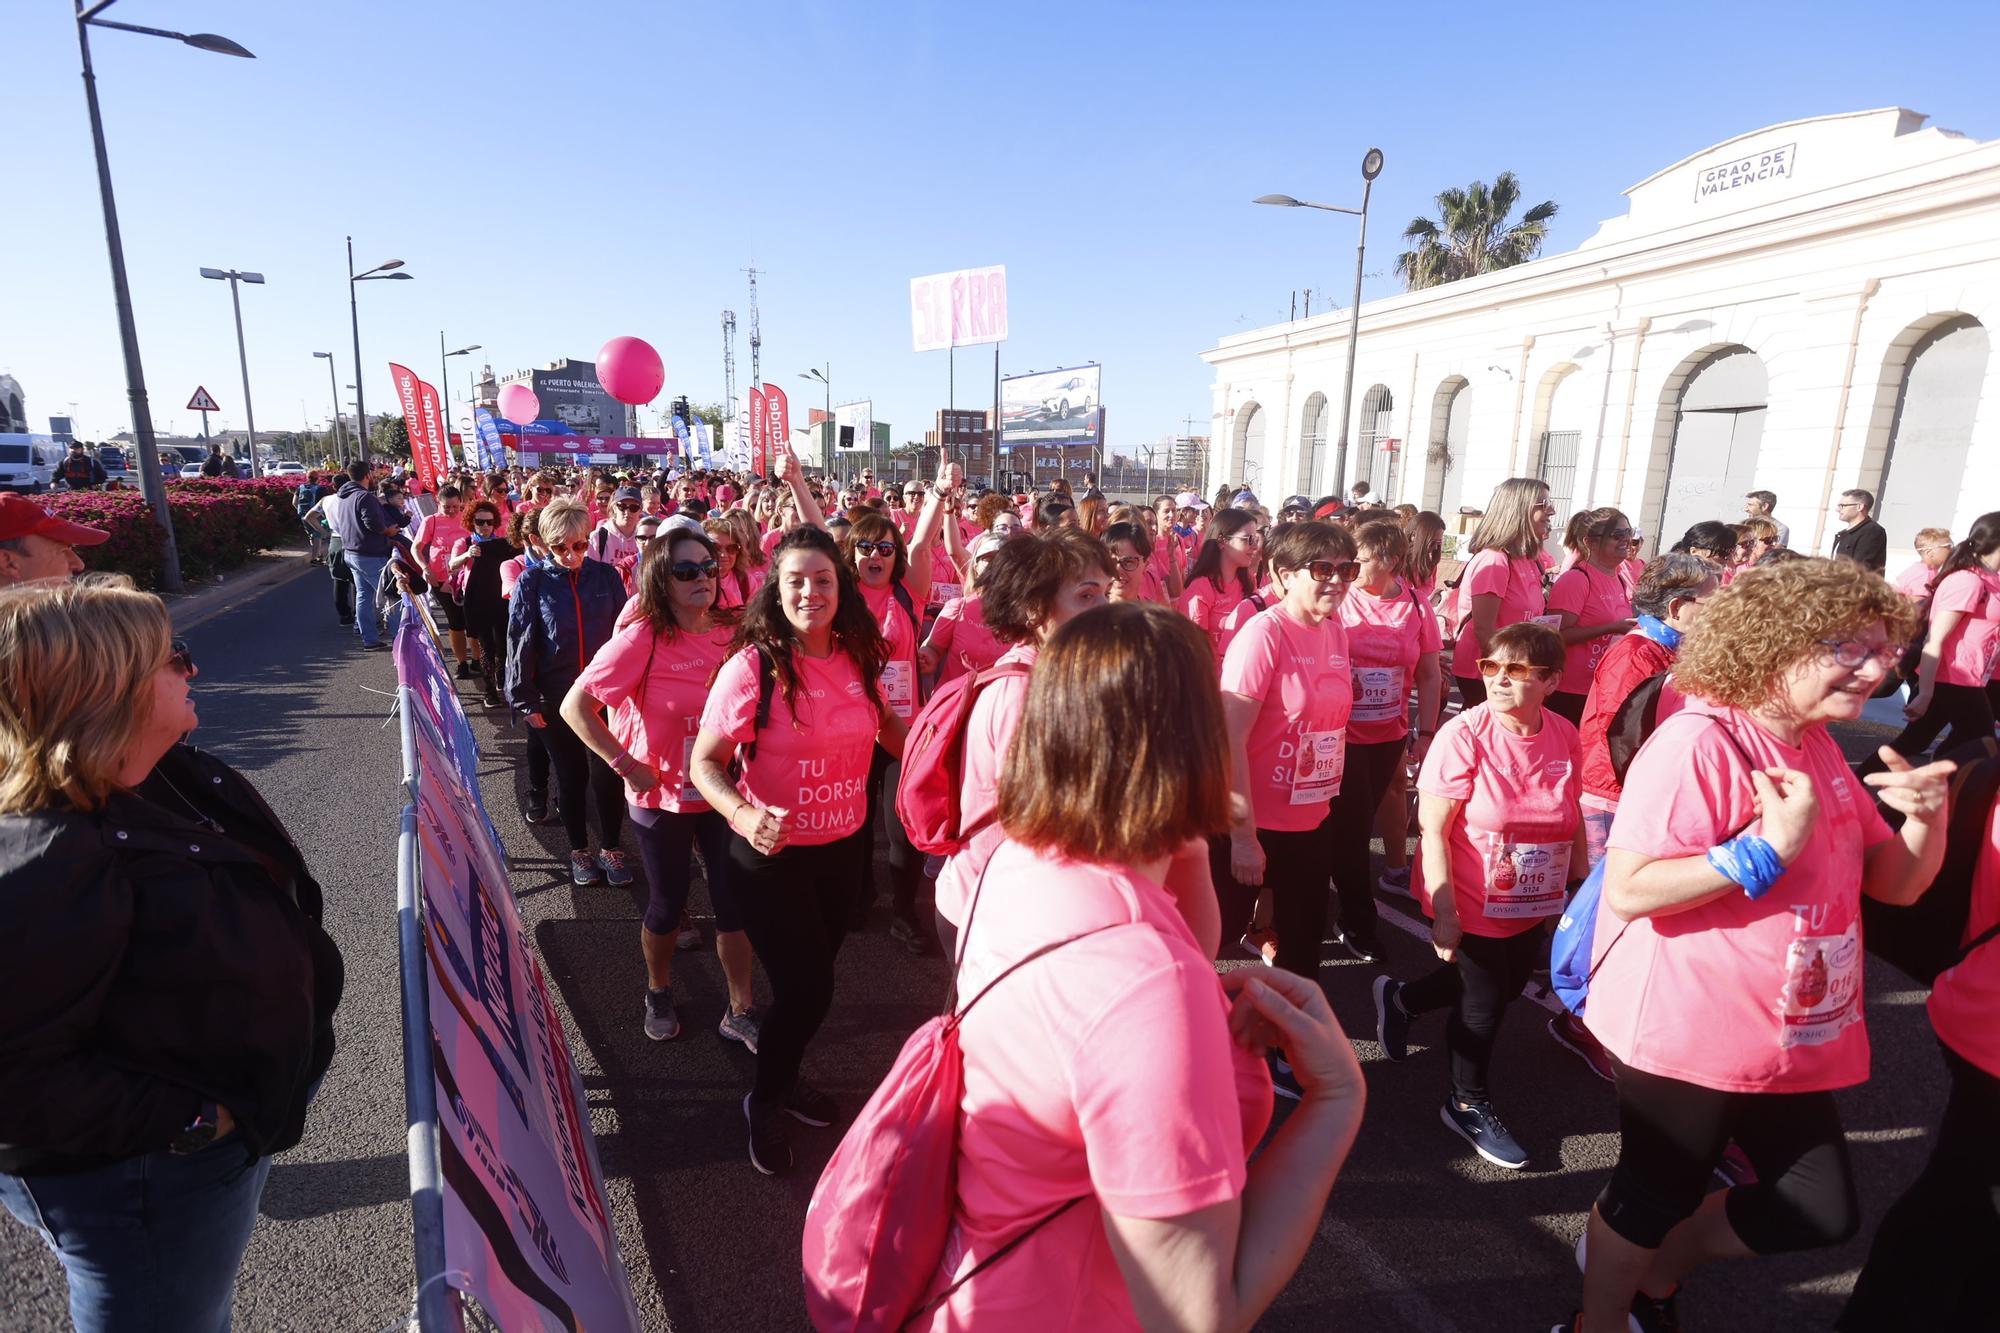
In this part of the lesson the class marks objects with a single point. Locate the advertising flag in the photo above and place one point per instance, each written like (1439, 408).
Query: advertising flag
(492, 453)
(704, 445)
(409, 394)
(777, 421)
(685, 436)
(437, 437)
(759, 461)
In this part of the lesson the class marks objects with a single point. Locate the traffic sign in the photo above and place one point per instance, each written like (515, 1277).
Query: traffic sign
(202, 401)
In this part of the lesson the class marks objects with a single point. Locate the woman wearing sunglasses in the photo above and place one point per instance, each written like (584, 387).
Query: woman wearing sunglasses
(475, 564)
(654, 677)
(1594, 603)
(169, 997)
(1501, 584)
(733, 581)
(1224, 576)
(809, 660)
(1502, 841)
(563, 613)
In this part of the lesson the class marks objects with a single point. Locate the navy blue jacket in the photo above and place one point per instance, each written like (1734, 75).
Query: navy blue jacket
(361, 520)
(557, 622)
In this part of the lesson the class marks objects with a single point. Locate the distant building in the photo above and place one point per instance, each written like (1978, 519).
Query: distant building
(13, 407)
(569, 392)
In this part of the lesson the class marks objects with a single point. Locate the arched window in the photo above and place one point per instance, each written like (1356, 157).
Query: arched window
(1312, 446)
(1931, 435)
(1377, 423)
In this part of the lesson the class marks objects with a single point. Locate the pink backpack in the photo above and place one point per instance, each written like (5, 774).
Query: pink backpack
(927, 796)
(881, 1214)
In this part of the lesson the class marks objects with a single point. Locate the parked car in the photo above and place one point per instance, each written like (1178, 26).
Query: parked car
(190, 472)
(117, 463)
(29, 462)
(285, 468)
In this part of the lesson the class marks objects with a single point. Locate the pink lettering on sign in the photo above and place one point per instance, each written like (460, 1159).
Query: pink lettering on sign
(958, 309)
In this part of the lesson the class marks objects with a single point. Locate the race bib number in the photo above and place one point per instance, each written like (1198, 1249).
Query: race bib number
(1379, 694)
(1822, 988)
(1318, 765)
(689, 796)
(1553, 621)
(1525, 879)
(898, 688)
(944, 592)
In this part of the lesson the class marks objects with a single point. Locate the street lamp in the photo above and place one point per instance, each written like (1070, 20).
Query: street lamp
(832, 431)
(1371, 167)
(444, 372)
(128, 330)
(232, 277)
(381, 271)
(333, 387)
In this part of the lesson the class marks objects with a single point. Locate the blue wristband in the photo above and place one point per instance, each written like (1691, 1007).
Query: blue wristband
(1749, 862)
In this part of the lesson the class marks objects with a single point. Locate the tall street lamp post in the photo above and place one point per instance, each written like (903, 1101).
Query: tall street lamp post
(333, 387)
(381, 271)
(128, 331)
(1371, 167)
(444, 373)
(232, 276)
(832, 431)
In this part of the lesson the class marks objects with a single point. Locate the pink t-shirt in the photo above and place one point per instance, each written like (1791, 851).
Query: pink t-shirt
(1594, 598)
(899, 673)
(1513, 841)
(1386, 638)
(963, 642)
(1105, 1071)
(1915, 582)
(1298, 744)
(1516, 581)
(1972, 649)
(1965, 1000)
(989, 729)
(812, 761)
(438, 534)
(1210, 607)
(655, 687)
(1736, 995)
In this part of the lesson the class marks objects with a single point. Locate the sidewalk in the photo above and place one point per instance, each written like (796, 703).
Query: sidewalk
(211, 597)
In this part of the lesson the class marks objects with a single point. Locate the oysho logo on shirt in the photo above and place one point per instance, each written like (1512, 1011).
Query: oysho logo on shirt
(1557, 769)
(855, 689)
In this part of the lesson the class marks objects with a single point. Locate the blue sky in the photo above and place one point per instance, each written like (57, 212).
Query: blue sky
(558, 175)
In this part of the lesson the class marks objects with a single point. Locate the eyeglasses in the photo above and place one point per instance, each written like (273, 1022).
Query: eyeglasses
(643, 537)
(874, 548)
(1128, 564)
(1853, 653)
(1326, 571)
(688, 571)
(570, 548)
(1518, 672)
(728, 548)
(180, 657)
(545, 490)
(630, 507)
(485, 522)
(1247, 540)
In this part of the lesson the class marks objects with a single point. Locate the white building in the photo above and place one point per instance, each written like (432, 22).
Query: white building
(1802, 309)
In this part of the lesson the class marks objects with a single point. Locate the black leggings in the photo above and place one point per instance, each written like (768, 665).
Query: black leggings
(795, 907)
(667, 840)
(577, 769)
(1931, 1259)
(1671, 1135)
(1471, 691)
(491, 637)
(1477, 986)
(1966, 709)
(538, 764)
(1351, 820)
(1296, 867)
(906, 863)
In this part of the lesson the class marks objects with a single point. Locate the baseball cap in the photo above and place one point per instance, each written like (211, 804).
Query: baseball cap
(1330, 508)
(22, 517)
(678, 523)
(1189, 500)
(1244, 499)
(1299, 502)
(628, 493)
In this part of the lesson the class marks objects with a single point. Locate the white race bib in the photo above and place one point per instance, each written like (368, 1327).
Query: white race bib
(1318, 765)
(898, 682)
(688, 792)
(1822, 987)
(1554, 621)
(944, 592)
(1524, 879)
(1379, 694)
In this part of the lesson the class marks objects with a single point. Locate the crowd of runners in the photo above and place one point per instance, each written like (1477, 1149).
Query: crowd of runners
(1123, 741)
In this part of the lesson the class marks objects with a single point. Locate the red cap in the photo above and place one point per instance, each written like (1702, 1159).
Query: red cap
(22, 517)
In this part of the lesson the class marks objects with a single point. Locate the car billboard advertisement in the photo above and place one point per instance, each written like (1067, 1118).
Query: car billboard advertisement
(1052, 407)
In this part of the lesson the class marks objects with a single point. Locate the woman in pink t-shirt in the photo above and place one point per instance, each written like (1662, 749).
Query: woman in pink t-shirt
(959, 642)
(800, 705)
(1728, 955)
(1287, 692)
(1961, 648)
(653, 677)
(1502, 844)
(1224, 575)
(1502, 583)
(1114, 1070)
(1594, 604)
(435, 537)
(1132, 551)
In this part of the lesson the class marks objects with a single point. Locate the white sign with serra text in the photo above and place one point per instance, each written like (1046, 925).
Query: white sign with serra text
(958, 309)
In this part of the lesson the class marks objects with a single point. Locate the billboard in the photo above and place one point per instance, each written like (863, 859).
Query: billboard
(958, 309)
(569, 393)
(861, 417)
(1052, 407)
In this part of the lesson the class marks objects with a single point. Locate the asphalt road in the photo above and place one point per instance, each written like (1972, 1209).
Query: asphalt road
(1421, 1236)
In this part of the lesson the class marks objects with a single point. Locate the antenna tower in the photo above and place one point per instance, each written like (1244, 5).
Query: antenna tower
(729, 376)
(756, 338)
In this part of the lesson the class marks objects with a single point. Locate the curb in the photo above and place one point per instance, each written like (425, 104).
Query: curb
(270, 569)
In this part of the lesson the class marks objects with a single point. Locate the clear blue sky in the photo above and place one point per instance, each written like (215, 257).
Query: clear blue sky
(557, 175)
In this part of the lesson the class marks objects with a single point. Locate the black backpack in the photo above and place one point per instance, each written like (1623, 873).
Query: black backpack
(1922, 939)
(1632, 722)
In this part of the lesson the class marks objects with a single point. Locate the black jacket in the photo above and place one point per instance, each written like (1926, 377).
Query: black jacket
(152, 965)
(361, 520)
(556, 622)
(1865, 543)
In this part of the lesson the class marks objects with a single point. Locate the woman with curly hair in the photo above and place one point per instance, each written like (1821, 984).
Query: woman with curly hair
(799, 706)
(1728, 960)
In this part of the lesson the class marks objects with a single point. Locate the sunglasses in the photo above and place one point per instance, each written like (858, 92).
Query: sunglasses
(1326, 571)
(643, 537)
(1246, 540)
(874, 548)
(485, 522)
(629, 507)
(729, 547)
(180, 657)
(568, 548)
(689, 571)
(1518, 672)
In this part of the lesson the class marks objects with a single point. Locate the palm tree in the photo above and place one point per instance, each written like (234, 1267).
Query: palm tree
(1472, 235)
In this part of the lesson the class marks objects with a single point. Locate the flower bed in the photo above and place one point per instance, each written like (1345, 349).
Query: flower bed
(218, 525)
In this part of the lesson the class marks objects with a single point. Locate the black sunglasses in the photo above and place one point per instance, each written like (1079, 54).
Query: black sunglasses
(485, 522)
(688, 571)
(180, 657)
(875, 548)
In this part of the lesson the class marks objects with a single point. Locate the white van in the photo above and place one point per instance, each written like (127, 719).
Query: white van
(29, 462)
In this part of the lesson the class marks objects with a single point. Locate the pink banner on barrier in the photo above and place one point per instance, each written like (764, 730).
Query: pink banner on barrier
(590, 444)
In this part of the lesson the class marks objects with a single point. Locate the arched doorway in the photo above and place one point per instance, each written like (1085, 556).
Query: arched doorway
(1376, 465)
(1564, 416)
(1444, 471)
(1718, 427)
(1248, 453)
(1931, 435)
(1312, 446)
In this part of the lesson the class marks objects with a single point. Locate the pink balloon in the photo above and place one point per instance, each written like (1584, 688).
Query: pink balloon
(519, 405)
(630, 370)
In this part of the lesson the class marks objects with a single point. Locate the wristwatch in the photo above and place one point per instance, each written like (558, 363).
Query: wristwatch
(200, 1132)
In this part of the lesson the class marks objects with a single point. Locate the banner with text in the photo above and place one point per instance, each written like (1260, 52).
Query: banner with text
(409, 395)
(759, 462)
(492, 453)
(777, 423)
(526, 1231)
(958, 309)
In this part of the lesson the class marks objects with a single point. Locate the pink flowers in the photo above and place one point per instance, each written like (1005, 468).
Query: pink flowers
(218, 524)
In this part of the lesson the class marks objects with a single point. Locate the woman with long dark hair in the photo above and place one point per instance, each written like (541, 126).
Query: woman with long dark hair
(1960, 649)
(1712, 540)
(1224, 576)
(800, 706)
